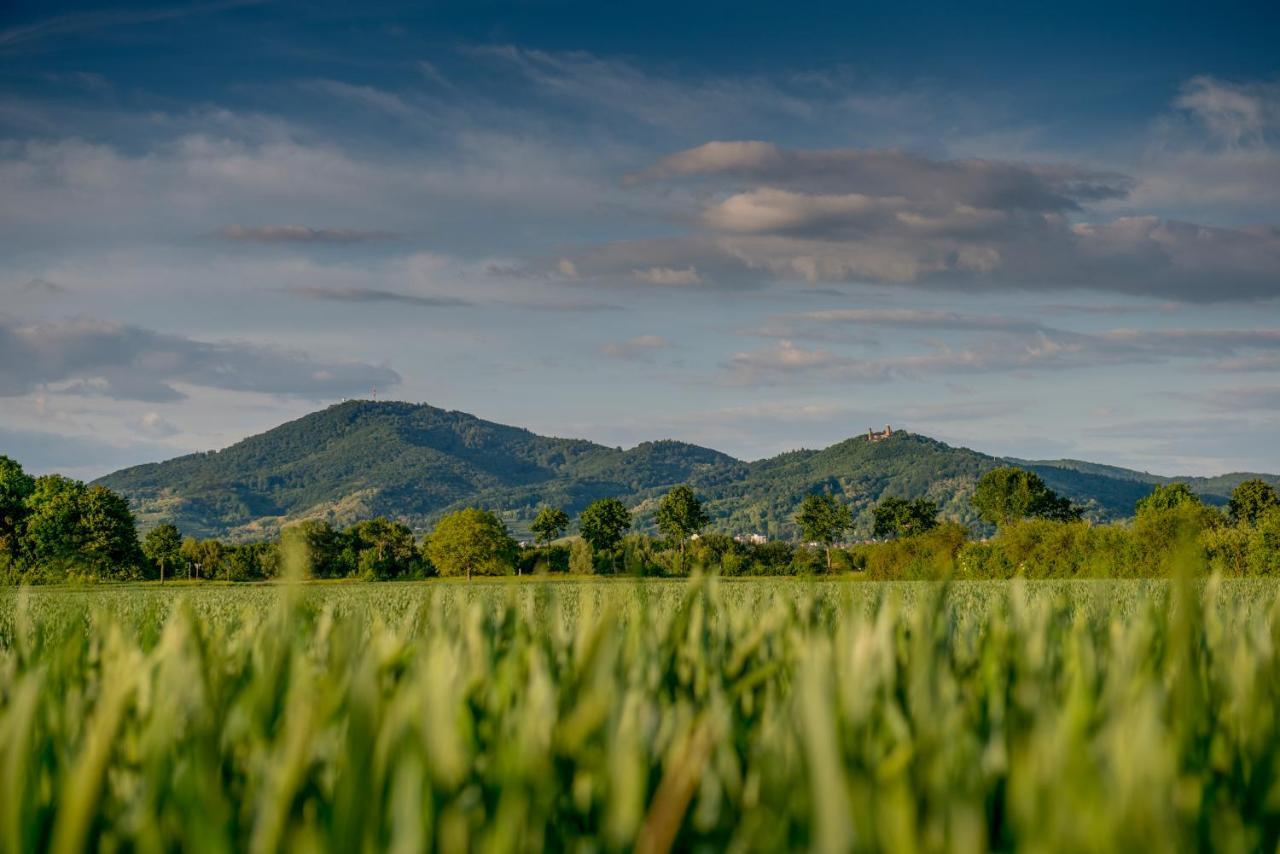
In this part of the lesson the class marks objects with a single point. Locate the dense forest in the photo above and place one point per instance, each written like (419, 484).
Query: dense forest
(415, 463)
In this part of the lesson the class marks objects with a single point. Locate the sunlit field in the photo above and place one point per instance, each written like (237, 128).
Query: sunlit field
(613, 714)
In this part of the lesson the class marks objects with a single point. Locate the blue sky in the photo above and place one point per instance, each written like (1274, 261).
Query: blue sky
(1038, 231)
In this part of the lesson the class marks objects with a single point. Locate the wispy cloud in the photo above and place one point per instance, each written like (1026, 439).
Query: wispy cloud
(635, 348)
(301, 234)
(372, 295)
(83, 22)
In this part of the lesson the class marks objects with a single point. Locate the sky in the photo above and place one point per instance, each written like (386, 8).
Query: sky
(1036, 230)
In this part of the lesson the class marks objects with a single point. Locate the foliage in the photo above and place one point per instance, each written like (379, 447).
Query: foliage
(384, 549)
(928, 555)
(1010, 494)
(689, 716)
(70, 528)
(162, 547)
(1264, 544)
(550, 524)
(898, 517)
(603, 523)
(1166, 497)
(823, 520)
(16, 487)
(414, 463)
(680, 515)
(581, 559)
(471, 541)
(1251, 500)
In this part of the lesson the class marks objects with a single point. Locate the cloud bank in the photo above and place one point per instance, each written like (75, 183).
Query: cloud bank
(130, 363)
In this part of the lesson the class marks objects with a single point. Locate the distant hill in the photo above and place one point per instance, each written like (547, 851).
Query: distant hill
(415, 462)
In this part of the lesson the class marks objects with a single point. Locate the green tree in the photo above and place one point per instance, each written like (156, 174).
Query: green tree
(680, 515)
(603, 523)
(822, 519)
(206, 557)
(51, 533)
(163, 548)
(109, 539)
(1250, 500)
(16, 487)
(898, 517)
(581, 561)
(322, 545)
(1010, 494)
(69, 524)
(471, 541)
(384, 549)
(550, 524)
(1263, 553)
(1167, 496)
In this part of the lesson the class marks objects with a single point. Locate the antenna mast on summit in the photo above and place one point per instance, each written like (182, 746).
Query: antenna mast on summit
(375, 394)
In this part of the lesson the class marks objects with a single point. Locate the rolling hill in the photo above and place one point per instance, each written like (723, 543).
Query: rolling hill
(415, 462)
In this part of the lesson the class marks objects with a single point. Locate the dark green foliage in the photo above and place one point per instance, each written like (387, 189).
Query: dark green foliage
(823, 519)
(1250, 500)
(1010, 494)
(1166, 497)
(550, 524)
(78, 529)
(162, 547)
(384, 549)
(16, 487)
(602, 525)
(898, 517)
(680, 515)
(325, 548)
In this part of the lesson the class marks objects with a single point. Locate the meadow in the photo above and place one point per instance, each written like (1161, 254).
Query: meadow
(617, 714)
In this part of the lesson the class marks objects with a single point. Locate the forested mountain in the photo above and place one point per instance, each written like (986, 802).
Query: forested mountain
(414, 462)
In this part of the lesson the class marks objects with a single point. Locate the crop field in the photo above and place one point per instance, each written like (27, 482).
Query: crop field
(603, 715)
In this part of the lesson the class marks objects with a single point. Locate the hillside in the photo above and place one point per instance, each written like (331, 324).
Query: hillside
(415, 462)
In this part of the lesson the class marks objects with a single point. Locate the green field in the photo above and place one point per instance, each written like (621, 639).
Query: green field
(616, 714)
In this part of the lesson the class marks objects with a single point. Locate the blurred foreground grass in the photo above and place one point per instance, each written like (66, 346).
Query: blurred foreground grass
(714, 715)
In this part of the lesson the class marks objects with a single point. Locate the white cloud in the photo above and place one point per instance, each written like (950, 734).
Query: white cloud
(668, 276)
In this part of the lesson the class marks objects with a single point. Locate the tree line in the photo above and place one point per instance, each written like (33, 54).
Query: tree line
(54, 528)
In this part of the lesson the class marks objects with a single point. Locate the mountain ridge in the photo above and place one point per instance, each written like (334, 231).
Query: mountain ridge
(415, 462)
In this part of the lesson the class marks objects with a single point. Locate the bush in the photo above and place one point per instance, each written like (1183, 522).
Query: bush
(581, 560)
(1264, 544)
(929, 555)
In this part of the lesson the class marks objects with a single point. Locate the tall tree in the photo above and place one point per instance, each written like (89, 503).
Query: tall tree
(319, 548)
(110, 535)
(1250, 500)
(163, 548)
(471, 541)
(16, 487)
(898, 517)
(1010, 494)
(384, 548)
(822, 519)
(550, 524)
(1167, 496)
(603, 523)
(680, 515)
